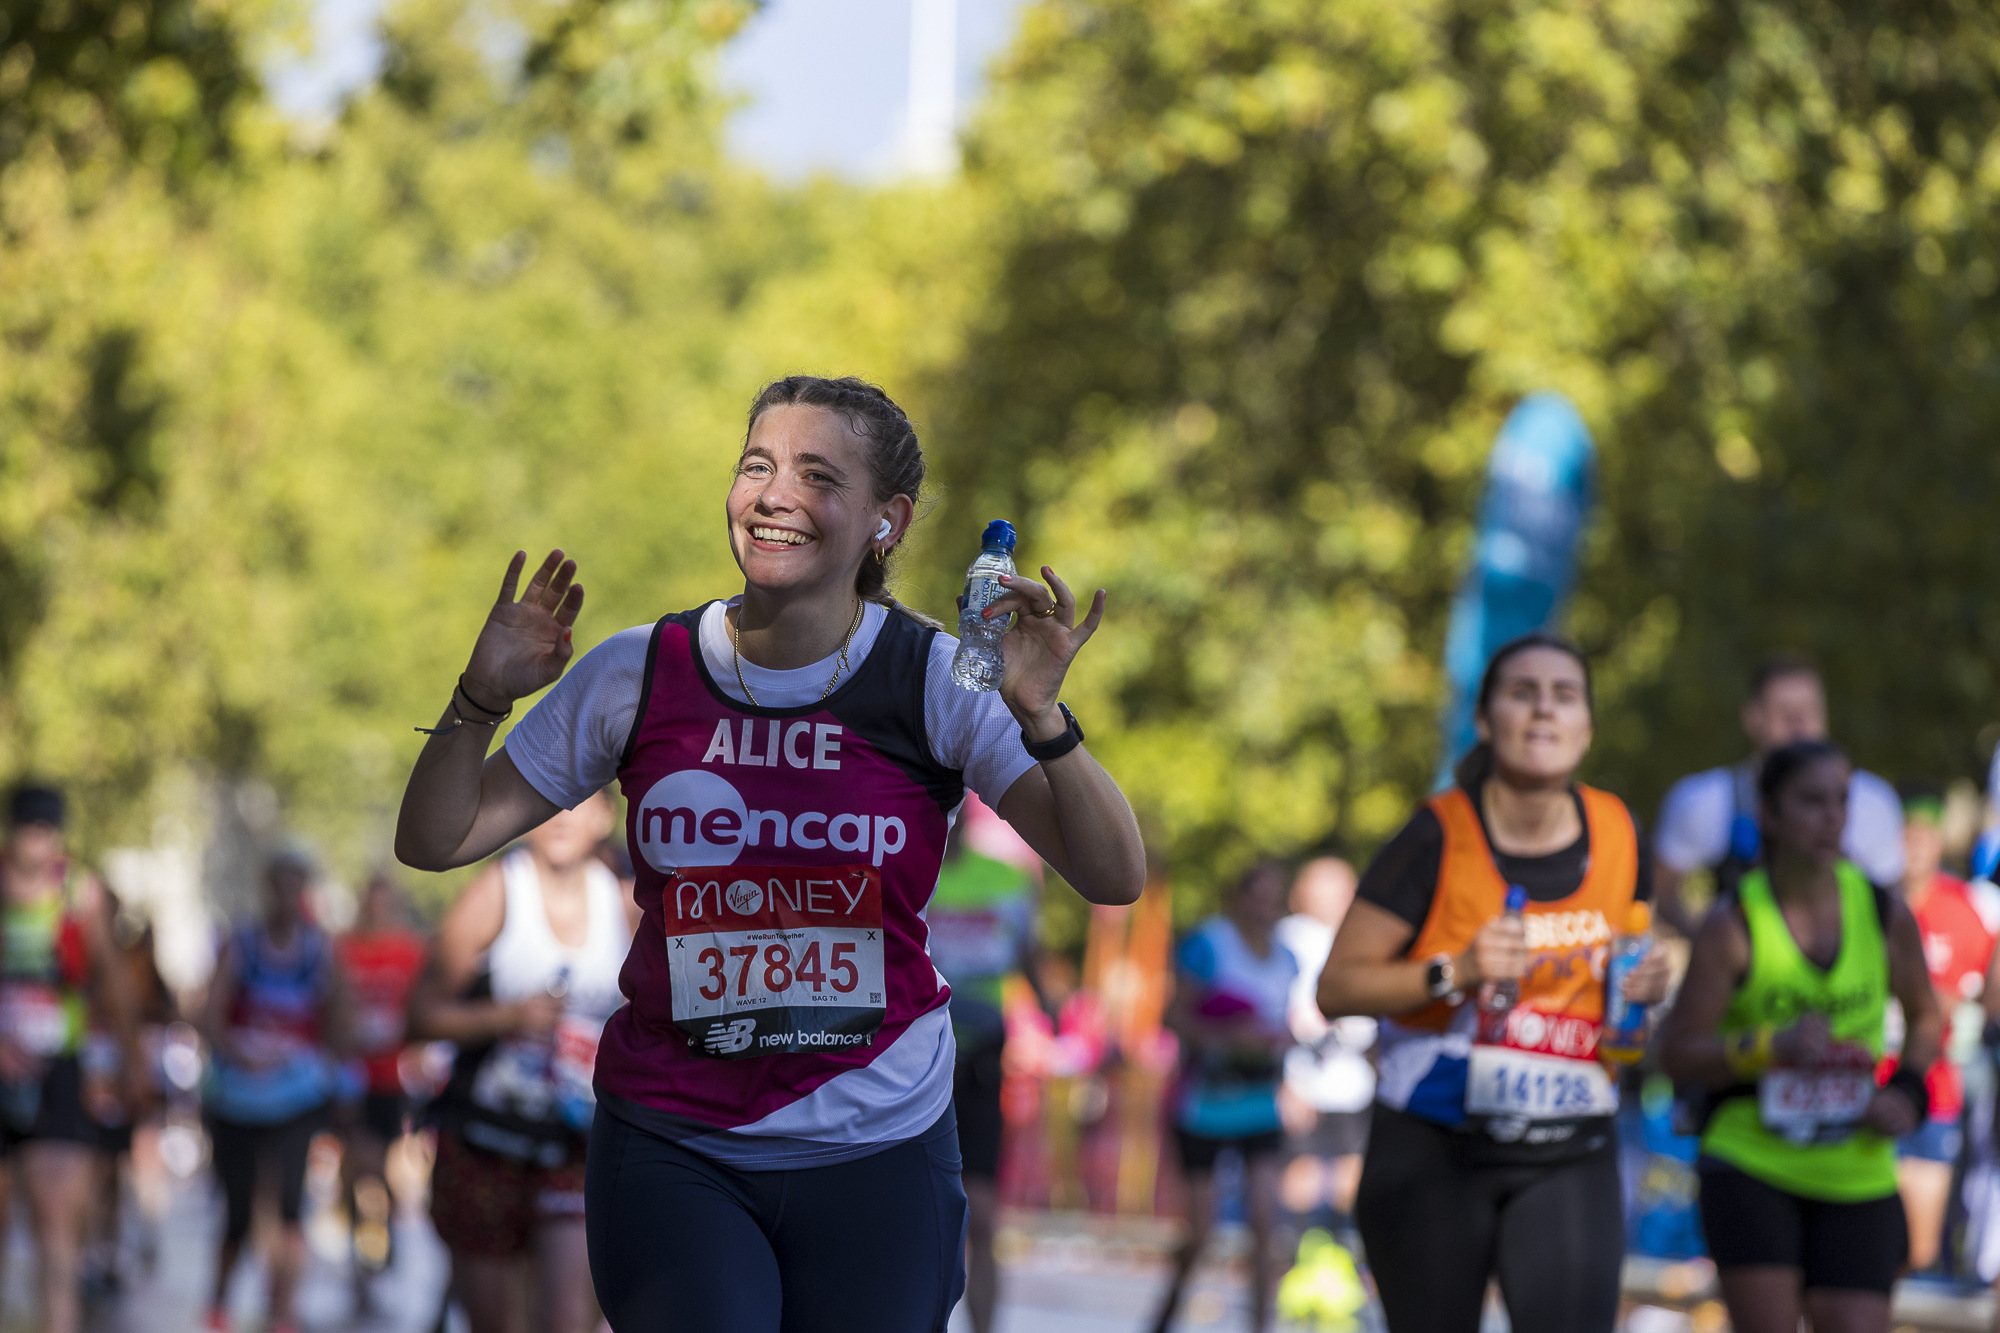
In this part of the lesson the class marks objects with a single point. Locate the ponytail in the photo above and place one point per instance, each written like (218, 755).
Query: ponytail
(1474, 767)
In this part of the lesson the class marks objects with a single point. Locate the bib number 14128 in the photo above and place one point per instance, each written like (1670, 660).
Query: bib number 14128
(768, 960)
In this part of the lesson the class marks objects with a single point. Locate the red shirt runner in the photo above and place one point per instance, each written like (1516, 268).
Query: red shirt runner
(1957, 946)
(381, 969)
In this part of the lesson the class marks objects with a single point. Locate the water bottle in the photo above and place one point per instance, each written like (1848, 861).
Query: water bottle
(978, 664)
(1501, 995)
(1623, 1040)
(569, 1076)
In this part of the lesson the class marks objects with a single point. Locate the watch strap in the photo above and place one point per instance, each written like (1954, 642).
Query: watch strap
(1056, 746)
(1439, 978)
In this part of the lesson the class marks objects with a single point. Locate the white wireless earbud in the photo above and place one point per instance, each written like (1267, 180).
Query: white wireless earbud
(884, 530)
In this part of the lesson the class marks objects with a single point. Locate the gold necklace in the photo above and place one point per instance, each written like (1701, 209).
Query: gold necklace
(736, 656)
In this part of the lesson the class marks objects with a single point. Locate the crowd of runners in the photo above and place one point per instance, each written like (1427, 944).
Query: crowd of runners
(737, 1064)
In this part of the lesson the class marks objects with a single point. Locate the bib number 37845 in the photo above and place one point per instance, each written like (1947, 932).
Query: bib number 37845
(766, 960)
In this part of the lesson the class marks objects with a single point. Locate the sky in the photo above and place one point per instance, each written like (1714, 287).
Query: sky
(826, 83)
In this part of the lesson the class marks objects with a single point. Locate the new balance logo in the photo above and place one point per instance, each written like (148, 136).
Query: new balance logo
(727, 1037)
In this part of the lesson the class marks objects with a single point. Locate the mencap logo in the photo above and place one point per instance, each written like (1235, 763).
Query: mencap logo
(697, 818)
(691, 818)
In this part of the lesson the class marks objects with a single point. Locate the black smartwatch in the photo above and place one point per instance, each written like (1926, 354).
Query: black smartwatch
(1056, 746)
(1439, 977)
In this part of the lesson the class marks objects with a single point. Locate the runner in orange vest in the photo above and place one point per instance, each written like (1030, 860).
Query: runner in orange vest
(1492, 1152)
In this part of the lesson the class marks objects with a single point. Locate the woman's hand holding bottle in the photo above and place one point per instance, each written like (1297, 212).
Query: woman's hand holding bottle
(1499, 952)
(1045, 639)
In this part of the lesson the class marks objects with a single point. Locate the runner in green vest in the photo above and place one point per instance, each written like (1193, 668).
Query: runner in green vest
(982, 929)
(1780, 1020)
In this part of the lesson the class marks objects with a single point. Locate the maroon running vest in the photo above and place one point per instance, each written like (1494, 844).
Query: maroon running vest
(784, 857)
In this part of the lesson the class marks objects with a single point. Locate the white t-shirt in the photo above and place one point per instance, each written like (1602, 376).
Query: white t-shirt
(569, 744)
(1329, 1068)
(1694, 824)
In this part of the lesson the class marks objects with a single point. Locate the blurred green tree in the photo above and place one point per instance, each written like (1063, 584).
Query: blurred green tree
(1224, 312)
(268, 443)
(1270, 273)
(160, 78)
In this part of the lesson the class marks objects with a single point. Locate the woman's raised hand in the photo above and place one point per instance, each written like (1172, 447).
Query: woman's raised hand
(1038, 650)
(524, 645)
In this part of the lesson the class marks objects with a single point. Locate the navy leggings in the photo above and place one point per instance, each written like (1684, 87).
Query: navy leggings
(681, 1244)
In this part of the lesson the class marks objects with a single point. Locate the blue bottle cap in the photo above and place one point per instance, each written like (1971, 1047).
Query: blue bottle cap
(999, 536)
(1517, 897)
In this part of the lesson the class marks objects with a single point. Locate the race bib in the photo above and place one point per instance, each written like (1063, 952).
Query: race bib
(378, 1028)
(1503, 1081)
(770, 960)
(35, 1018)
(1814, 1106)
(515, 1078)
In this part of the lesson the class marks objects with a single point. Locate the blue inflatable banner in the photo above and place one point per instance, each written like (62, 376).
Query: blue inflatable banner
(1540, 484)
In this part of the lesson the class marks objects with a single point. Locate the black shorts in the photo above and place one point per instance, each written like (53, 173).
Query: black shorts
(975, 1100)
(114, 1140)
(1836, 1246)
(384, 1114)
(1441, 1220)
(678, 1241)
(57, 1109)
(240, 1153)
(1198, 1152)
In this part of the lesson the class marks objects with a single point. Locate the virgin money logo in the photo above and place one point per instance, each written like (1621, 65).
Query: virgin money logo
(698, 818)
(745, 896)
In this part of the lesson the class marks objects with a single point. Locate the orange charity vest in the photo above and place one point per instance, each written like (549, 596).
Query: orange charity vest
(1530, 1074)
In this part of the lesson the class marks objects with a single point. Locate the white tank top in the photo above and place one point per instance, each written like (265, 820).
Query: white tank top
(526, 957)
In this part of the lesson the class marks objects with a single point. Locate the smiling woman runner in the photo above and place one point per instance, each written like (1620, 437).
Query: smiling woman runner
(1491, 1152)
(1780, 1017)
(775, 1148)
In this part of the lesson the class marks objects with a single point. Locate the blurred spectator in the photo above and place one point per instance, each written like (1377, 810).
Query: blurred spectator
(103, 1064)
(276, 1014)
(382, 957)
(57, 957)
(1709, 821)
(1328, 1072)
(1231, 1012)
(982, 930)
(522, 976)
(1958, 947)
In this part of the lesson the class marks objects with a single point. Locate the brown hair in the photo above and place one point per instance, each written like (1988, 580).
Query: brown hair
(1777, 666)
(895, 459)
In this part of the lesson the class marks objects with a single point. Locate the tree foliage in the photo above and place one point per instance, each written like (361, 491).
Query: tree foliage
(266, 452)
(1275, 271)
(1224, 312)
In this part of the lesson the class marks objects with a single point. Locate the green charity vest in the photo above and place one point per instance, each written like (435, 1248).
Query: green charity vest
(979, 918)
(40, 1005)
(1783, 984)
